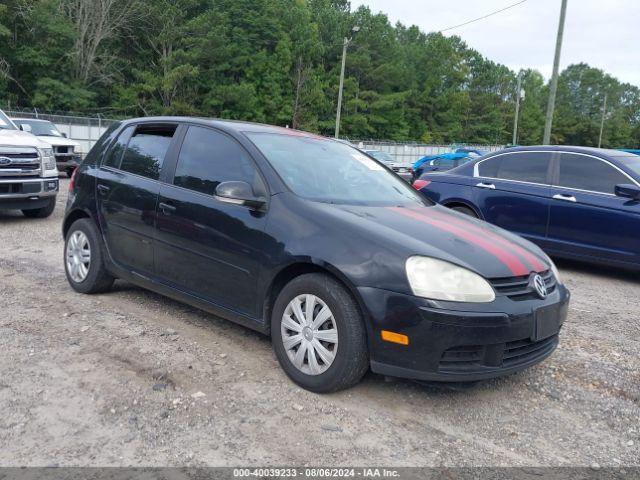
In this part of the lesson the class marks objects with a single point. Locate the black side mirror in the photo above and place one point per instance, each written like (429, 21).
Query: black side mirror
(239, 193)
(628, 190)
(64, 135)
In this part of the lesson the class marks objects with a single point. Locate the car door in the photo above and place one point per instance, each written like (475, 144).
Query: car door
(512, 191)
(587, 218)
(207, 247)
(127, 192)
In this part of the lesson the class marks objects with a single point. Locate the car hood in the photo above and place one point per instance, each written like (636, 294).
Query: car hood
(18, 138)
(59, 141)
(438, 232)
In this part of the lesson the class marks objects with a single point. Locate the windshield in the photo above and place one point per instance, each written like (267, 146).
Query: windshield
(631, 161)
(382, 156)
(328, 171)
(5, 123)
(41, 127)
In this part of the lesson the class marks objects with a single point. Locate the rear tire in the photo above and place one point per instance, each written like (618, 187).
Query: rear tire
(83, 259)
(341, 360)
(465, 211)
(42, 212)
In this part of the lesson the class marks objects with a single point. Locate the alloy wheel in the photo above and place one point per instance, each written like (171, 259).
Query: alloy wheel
(309, 334)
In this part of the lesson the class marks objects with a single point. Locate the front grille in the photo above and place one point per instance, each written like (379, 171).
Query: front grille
(19, 162)
(520, 288)
(468, 358)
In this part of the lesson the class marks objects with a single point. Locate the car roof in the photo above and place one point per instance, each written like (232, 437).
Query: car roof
(601, 152)
(30, 120)
(229, 125)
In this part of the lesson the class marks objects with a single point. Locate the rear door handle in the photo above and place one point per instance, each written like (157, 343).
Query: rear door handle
(103, 189)
(564, 197)
(490, 186)
(167, 208)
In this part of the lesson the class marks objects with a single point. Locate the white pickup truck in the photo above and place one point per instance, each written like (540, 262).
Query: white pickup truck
(28, 173)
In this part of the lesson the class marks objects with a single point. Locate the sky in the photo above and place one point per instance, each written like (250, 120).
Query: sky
(603, 33)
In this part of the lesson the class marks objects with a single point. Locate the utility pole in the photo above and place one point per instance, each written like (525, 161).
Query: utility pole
(553, 87)
(515, 120)
(604, 112)
(345, 44)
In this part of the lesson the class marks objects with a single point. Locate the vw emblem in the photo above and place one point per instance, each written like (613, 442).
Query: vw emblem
(540, 286)
(5, 160)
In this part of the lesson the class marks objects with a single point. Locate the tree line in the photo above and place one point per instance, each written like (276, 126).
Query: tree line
(278, 62)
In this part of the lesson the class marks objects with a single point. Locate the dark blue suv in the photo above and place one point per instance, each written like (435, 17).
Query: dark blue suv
(575, 202)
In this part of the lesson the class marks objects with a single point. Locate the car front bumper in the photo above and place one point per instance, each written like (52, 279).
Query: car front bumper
(24, 193)
(461, 342)
(64, 162)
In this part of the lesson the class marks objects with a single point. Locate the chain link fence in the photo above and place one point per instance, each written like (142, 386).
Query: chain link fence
(411, 152)
(87, 130)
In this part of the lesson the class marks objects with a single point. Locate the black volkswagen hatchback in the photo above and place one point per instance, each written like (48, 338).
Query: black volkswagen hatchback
(314, 243)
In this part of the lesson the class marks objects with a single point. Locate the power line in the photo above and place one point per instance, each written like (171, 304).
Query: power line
(484, 16)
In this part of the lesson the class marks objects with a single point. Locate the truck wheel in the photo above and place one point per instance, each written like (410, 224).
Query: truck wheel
(83, 259)
(43, 212)
(318, 334)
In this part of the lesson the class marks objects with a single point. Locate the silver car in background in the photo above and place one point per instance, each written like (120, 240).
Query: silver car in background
(404, 170)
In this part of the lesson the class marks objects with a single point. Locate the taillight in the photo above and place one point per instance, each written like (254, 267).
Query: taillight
(72, 181)
(418, 184)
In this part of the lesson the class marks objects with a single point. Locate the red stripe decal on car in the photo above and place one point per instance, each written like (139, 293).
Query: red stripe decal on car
(513, 263)
(529, 257)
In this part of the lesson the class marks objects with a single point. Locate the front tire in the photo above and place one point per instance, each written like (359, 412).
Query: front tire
(318, 334)
(42, 212)
(83, 259)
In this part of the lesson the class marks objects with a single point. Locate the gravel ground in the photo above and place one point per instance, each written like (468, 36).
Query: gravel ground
(131, 378)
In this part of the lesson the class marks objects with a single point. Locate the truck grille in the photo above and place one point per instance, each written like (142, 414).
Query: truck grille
(519, 288)
(19, 162)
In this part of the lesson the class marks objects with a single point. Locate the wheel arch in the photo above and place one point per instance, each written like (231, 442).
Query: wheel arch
(456, 202)
(293, 270)
(71, 217)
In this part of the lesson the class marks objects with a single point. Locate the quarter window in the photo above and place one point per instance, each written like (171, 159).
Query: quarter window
(114, 156)
(146, 150)
(208, 157)
(588, 173)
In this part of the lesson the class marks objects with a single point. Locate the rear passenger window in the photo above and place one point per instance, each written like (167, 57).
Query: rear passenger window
(589, 173)
(489, 168)
(115, 154)
(208, 157)
(146, 150)
(528, 167)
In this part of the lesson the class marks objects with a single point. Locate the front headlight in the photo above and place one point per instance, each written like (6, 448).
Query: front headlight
(48, 160)
(440, 280)
(554, 269)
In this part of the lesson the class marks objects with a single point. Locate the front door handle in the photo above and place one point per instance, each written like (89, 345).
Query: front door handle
(564, 197)
(103, 189)
(490, 186)
(167, 208)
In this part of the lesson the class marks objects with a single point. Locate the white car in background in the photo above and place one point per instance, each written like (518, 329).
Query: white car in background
(66, 151)
(404, 170)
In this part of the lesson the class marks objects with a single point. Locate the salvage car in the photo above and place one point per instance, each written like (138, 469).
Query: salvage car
(575, 202)
(314, 243)
(66, 151)
(28, 174)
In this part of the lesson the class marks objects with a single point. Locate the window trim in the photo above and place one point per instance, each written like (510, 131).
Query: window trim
(170, 176)
(556, 178)
(476, 167)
